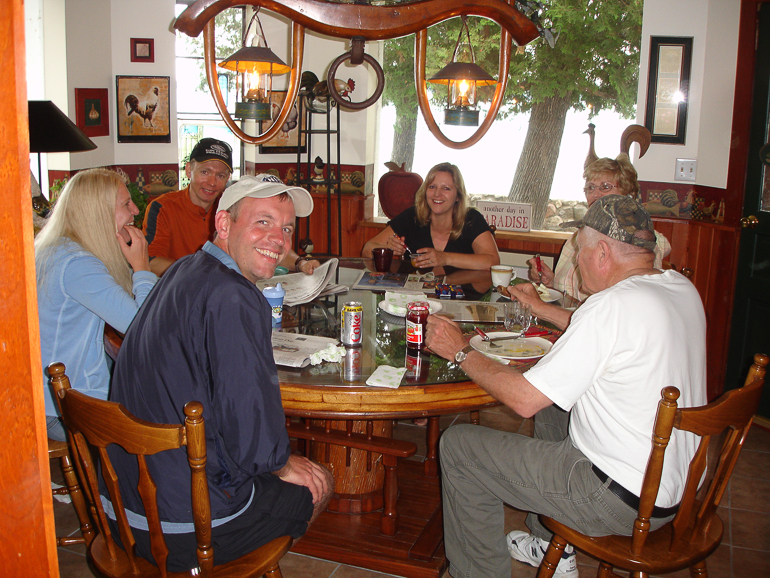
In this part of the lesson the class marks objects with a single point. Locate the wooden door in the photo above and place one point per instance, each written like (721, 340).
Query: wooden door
(751, 310)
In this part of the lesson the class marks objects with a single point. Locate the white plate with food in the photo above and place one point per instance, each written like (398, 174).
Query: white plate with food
(547, 294)
(399, 310)
(518, 349)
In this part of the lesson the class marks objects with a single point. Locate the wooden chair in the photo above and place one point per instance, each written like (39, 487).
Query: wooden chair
(686, 271)
(696, 530)
(93, 425)
(59, 450)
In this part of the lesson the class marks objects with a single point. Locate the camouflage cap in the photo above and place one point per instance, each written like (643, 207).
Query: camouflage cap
(621, 218)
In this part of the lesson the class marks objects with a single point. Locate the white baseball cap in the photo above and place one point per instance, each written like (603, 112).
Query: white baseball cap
(264, 186)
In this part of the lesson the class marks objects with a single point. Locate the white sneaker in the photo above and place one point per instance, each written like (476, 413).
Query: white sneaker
(531, 550)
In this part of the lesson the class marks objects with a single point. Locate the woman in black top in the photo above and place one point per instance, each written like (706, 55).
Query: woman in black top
(440, 228)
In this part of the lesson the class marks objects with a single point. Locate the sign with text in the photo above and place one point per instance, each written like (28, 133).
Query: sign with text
(506, 216)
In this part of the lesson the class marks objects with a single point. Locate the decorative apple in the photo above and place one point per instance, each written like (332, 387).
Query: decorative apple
(397, 188)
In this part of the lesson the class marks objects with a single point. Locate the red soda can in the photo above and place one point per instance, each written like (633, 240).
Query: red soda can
(352, 368)
(416, 323)
(352, 328)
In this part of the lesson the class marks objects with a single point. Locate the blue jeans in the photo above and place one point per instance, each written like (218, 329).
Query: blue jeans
(482, 469)
(56, 429)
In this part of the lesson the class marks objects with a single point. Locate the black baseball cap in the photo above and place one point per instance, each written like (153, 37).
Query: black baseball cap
(211, 149)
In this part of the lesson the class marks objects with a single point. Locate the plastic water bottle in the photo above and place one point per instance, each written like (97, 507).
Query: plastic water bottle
(274, 296)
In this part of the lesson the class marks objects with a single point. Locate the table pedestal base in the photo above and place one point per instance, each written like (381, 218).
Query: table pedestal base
(416, 550)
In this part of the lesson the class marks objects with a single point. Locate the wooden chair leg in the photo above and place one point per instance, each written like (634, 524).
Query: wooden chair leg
(78, 502)
(552, 557)
(475, 417)
(430, 465)
(274, 572)
(389, 518)
(699, 570)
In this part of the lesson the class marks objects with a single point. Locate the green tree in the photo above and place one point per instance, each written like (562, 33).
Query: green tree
(595, 61)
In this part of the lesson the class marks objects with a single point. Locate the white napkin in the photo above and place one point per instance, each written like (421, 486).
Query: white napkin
(333, 353)
(395, 302)
(386, 376)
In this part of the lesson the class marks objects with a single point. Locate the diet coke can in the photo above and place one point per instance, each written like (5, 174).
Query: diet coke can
(352, 328)
(353, 361)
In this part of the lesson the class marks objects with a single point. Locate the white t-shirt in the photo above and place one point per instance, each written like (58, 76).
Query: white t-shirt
(622, 347)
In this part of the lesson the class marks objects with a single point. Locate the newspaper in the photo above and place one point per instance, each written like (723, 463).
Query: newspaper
(301, 288)
(397, 282)
(294, 350)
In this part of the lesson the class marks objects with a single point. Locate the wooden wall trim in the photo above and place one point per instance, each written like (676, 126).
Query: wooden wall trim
(27, 535)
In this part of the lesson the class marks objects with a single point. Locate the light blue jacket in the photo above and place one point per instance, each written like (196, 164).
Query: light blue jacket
(77, 297)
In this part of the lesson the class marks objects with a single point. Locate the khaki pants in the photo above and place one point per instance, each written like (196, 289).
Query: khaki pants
(482, 469)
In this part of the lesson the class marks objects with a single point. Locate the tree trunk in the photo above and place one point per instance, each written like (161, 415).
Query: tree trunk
(404, 138)
(537, 164)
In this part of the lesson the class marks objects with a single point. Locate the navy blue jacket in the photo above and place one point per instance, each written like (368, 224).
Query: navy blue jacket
(204, 334)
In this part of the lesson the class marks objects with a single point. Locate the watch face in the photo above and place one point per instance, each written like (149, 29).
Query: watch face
(460, 356)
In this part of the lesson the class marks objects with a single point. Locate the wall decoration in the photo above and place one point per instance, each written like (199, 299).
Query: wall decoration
(668, 87)
(92, 114)
(142, 50)
(143, 109)
(287, 139)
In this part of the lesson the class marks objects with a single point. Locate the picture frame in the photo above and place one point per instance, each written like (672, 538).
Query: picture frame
(92, 113)
(286, 141)
(668, 87)
(143, 109)
(142, 50)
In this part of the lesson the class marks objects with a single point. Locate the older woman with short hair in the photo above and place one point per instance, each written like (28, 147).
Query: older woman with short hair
(92, 268)
(603, 177)
(441, 228)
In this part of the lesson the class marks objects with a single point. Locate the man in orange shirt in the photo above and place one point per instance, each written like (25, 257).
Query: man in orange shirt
(179, 223)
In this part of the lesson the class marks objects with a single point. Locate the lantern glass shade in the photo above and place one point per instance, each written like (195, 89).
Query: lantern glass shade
(256, 65)
(461, 79)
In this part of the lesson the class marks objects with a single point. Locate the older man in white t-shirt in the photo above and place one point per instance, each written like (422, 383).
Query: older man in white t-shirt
(594, 398)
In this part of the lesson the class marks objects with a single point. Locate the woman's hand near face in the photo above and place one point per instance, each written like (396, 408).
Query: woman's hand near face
(136, 253)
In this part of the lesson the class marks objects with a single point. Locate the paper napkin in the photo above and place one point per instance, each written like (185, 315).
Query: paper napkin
(386, 376)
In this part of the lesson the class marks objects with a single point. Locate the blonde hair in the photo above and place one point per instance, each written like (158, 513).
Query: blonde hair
(85, 214)
(619, 169)
(461, 206)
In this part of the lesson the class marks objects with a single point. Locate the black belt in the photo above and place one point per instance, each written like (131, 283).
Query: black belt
(629, 499)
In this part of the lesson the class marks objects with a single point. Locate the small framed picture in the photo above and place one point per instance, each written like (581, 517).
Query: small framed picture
(668, 88)
(142, 50)
(143, 109)
(290, 136)
(92, 114)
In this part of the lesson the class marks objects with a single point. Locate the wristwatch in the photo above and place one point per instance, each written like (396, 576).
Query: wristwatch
(300, 259)
(462, 354)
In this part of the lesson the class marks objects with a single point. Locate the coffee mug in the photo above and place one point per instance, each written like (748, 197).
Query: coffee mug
(502, 275)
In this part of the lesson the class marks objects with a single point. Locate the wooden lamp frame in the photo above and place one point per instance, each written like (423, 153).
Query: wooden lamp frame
(370, 23)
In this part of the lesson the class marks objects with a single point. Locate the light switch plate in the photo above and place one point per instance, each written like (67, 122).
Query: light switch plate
(685, 170)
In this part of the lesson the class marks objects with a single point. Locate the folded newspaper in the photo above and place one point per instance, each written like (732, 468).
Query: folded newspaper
(301, 288)
(295, 350)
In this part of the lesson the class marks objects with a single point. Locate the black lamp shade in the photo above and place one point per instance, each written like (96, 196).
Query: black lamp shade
(51, 131)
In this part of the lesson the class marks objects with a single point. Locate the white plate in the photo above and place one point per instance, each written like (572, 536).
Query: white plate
(435, 307)
(554, 295)
(527, 348)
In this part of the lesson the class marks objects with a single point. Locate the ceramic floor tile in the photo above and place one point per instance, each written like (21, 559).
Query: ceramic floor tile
(750, 563)
(409, 432)
(750, 494)
(73, 565)
(757, 440)
(299, 566)
(751, 530)
(354, 572)
(753, 464)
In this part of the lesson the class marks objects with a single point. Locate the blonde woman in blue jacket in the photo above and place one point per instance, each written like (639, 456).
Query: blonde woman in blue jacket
(92, 268)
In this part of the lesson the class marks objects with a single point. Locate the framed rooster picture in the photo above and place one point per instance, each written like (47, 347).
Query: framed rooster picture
(290, 136)
(143, 109)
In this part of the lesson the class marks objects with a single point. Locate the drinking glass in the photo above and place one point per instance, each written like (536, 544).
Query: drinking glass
(512, 322)
(524, 317)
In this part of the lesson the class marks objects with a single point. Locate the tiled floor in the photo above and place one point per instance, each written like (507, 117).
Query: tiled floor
(744, 553)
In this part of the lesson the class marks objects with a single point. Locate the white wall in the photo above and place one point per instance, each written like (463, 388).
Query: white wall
(713, 24)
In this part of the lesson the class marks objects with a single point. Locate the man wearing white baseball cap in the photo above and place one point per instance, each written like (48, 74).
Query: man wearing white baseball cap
(204, 334)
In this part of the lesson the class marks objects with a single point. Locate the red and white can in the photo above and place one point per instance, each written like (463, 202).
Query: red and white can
(352, 327)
